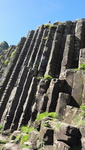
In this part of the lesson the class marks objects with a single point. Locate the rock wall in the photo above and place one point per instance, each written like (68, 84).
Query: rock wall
(42, 75)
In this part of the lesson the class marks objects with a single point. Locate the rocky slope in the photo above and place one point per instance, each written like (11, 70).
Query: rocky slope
(46, 74)
(6, 55)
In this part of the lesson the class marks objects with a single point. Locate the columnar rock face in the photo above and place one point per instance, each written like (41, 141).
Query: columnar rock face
(45, 74)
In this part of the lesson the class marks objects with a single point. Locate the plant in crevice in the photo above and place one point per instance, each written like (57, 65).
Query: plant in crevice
(47, 77)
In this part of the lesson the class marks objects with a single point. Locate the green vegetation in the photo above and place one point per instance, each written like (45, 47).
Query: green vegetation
(24, 136)
(83, 111)
(12, 54)
(46, 114)
(39, 77)
(24, 139)
(50, 26)
(26, 129)
(47, 77)
(2, 142)
(18, 138)
(6, 61)
(82, 107)
(58, 126)
(82, 66)
(1, 127)
(47, 125)
(45, 38)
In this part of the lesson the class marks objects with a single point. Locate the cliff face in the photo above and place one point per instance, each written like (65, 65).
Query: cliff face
(6, 55)
(46, 74)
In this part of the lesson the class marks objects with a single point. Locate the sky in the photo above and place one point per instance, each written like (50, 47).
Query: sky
(18, 17)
